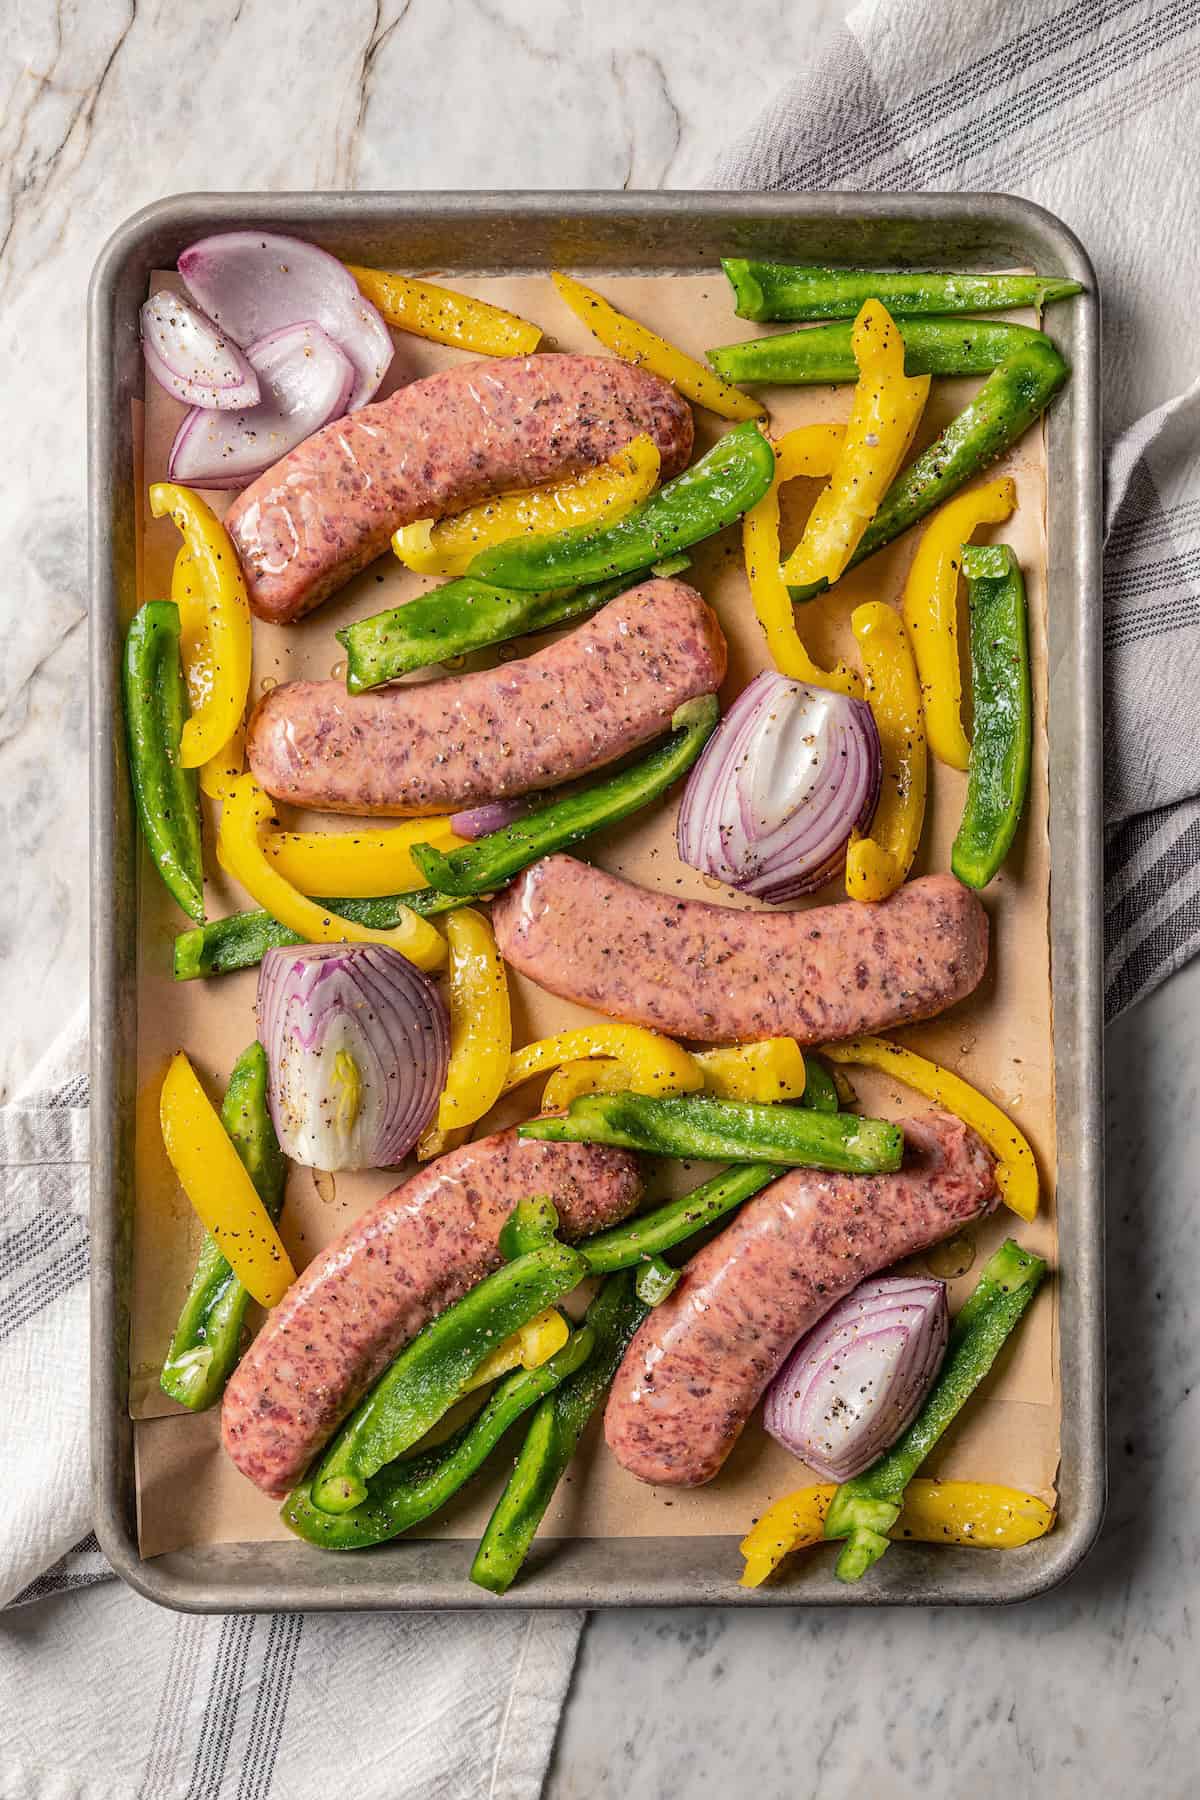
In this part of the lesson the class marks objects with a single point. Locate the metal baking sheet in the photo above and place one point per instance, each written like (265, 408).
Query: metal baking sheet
(644, 233)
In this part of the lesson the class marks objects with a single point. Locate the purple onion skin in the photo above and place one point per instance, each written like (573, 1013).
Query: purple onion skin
(722, 830)
(494, 815)
(180, 377)
(399, 1038)
(253, 282)
(266, 426)
(856, 1381)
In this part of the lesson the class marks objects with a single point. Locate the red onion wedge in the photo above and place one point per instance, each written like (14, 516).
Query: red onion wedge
(254, 282)
(855, 1381)
(357, 1040)
(193, 358)
(305, 379)
(493, 815)
(788, 774)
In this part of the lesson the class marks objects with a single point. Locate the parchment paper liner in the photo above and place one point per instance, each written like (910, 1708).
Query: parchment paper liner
(188, 1491)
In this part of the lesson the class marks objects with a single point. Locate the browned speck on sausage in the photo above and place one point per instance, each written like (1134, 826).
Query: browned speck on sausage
(328, 508)
(416, 1252)
(722, 975)
(605, 689)
(700, 1363)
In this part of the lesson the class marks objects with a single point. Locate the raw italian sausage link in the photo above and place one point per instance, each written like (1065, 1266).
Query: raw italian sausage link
(328, 508)
(371, 1291)
(719, 975)
(700, 1363)
(608, 688)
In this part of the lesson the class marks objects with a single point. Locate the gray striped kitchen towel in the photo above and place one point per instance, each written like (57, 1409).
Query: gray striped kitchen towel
(107, 1697)
(1089, 108)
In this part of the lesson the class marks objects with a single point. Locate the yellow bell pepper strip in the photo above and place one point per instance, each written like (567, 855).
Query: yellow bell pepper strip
(600, 495)
(230, 760)
(358, 865)
(529, 1347)
(796, 1522)
(810, 450)
(244, 815)
(971, 1512)
(637, 344)
(225, 767)
(445, 316)
(886, 412)
(652, 1064)
(876, 864)
(934, 1512)
(1016, 1169)
(586, 1075)
(772, 1069)
(845, 1096)
(214, 1179)
(207, 1340)
(214, 575)
(930, 610)
(480, 1022)
(193, 637)
(434, 1142)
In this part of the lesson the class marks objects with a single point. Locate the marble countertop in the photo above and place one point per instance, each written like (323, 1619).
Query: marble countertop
(108, 107)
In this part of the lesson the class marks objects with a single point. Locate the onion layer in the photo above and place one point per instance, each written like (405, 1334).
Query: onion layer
(358, 1040)
(788, 774)
(305, 379)
(193, 358)
(855, 1381)
(493, 815)
(254, 282)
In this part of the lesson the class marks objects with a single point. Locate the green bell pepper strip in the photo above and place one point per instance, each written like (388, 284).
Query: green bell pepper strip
(243, 939)
(820, 1091)
(208, 1337)
(624, 1246)
(485, 865)
(403, 1493)
(427, 1378)
(1006, 1270)
(669, 566)
(724, 484)
(768, 290)
(463, 615)
(554, 1433)
(1002, 702)
(738, 1131)
(864, 1510)
(822, 355)
(654, 1281)
(167, 795)
(529, 1225)
(1011, 398)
